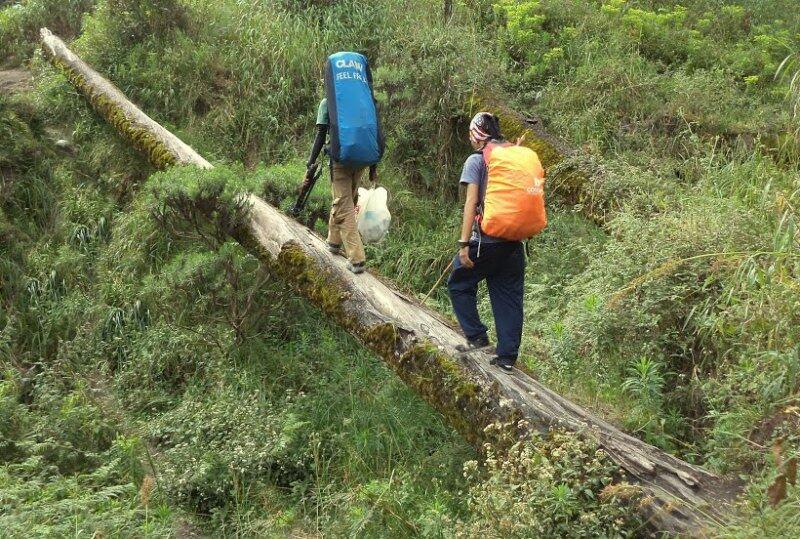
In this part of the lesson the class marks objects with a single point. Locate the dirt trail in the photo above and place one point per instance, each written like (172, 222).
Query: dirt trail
(15, 80)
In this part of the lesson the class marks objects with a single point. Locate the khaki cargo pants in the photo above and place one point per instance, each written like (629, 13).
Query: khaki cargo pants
(342, 228)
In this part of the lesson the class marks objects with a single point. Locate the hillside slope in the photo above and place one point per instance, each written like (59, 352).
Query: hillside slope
(676, 317)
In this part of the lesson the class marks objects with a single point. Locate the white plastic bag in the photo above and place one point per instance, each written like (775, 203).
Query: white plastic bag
(373, 214)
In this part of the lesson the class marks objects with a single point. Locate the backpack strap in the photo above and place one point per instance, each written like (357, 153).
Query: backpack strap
(486, 152)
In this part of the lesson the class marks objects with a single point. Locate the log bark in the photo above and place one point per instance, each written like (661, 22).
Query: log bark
(417, 343)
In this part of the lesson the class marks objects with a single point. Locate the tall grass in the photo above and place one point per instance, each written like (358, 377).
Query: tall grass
(677, 317)
(20, 23)
(275, 424)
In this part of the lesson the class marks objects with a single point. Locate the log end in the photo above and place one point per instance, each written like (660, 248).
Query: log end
(514, 126)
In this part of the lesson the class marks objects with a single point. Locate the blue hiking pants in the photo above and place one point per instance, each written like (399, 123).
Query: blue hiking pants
(503, 267)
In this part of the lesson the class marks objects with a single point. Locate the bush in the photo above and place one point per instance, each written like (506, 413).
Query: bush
(214, 449)
(64, 465)
(554, 487)
(424, 86)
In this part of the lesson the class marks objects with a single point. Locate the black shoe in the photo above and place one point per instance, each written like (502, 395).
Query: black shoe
(501, 364)
(357, 268)
(474, 344)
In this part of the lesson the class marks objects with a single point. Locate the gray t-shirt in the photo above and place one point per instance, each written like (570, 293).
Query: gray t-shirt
(475, 172)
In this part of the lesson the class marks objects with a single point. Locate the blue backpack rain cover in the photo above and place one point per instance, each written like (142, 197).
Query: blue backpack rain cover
(356, 138)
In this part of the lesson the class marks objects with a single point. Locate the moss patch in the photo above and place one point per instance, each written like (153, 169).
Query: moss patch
(142, 139)
(568, 173)
(469, 405)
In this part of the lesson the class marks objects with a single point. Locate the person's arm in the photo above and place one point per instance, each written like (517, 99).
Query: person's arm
(470, 210)
(319, 142)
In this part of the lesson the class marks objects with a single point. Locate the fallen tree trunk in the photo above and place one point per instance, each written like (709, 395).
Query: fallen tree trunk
(161, 147)
(416, 342)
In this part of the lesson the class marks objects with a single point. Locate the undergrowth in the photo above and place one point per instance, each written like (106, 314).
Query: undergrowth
(673, 313)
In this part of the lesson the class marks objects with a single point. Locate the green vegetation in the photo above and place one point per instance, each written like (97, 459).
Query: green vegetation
(20, 23)
(691, 287)
(157, 380)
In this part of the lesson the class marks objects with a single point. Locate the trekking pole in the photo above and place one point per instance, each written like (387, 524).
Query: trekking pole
(310, 180)
(438, 282)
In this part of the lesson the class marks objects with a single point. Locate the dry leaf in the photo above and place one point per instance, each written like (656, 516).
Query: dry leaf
(792, 410)
(791, 471)
(777, 491)
(777, 452)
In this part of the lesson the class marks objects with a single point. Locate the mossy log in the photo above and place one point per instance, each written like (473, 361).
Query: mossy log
(418, 344)
(569, 176)
(161, 147)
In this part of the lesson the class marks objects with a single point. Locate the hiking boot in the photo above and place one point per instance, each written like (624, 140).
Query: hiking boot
(502, 364)
(474, 344)
(334, 248)
(357, 268)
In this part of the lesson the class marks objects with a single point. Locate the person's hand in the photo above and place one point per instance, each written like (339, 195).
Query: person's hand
(463, 256)
(305, 184)
(308, 178)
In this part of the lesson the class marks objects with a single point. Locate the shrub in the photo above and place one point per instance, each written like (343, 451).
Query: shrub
(553, 487)
(64, 464)
(215, 448)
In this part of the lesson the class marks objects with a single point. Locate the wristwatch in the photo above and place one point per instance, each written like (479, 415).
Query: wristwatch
(462, 244)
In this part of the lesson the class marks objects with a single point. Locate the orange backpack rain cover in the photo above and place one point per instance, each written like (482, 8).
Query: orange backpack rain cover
(513, 207)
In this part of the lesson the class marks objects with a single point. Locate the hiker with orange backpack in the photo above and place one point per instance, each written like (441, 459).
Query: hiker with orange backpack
(504, 206)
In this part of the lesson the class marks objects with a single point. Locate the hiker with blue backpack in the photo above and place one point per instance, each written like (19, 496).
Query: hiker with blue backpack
(349, 115)
(504, 206)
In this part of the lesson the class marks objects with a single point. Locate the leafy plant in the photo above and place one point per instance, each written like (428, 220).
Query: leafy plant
(20, 23)
(557, 486)
(789, 69)
(645, 380)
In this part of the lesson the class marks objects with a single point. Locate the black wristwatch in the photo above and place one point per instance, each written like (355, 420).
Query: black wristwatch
(462, 244)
